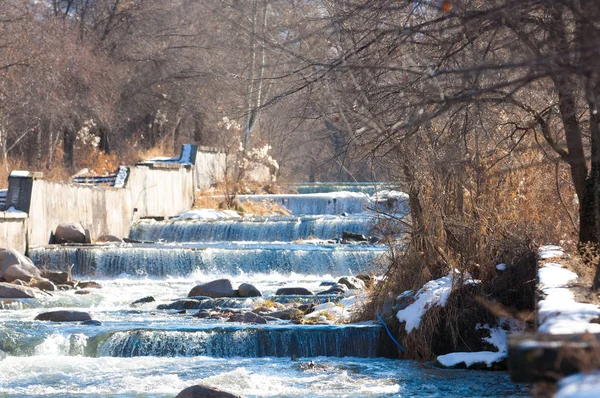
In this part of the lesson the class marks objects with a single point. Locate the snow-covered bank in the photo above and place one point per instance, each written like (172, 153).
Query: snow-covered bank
(558, 311)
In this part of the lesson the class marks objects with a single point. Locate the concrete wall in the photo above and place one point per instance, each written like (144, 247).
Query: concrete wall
(101, 210)
(209, 168)
(13, 231)
(159, 190)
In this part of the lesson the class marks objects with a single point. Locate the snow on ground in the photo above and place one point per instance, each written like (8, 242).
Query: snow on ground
(471, 358)
(207, 214)
(546, 252)
(498, 338)
(433, 293)
(558, 312)
(501, 267)
(579, 385)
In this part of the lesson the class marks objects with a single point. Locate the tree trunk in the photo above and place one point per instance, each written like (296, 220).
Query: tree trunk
(68, 147)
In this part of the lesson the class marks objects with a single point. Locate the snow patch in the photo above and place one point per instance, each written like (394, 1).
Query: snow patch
(207, 214)
(433, 293)
(579, 385)
(19, 173)
(546, 252)
(558, 312)
(501, 267)
(554, 275)
(471, 358)
(498, 338)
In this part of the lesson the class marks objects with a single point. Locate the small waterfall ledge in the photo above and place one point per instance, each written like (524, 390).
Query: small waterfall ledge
(232, 259)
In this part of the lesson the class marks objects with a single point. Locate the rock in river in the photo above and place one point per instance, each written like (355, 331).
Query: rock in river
(204, 392)
(64, 316)
(248, 290)
(248, 317)
(14, 265)
(70, 233)
(293, 291)
(8, 290)
(214, 289)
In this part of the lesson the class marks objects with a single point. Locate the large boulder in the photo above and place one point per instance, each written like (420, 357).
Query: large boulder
(352, 282)
(214, 289)
(248, 290)
(8, 290)
(70, 233)
(64, 316)
(293, 291)
(204, 392)
(14, 265)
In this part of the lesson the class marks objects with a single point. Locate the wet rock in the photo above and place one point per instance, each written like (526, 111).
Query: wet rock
(64, 316)
(184, 304)
(248, 317)
(373, 240)
(92, 322)
(214, 289)
(247, 290)
(306, 308)
(70, 233)
(45, 284)
(64, 287)
(337, 289)
(204, 392)
(143, 300)
(89, 285)
(202, 314)
(293, 291)
(352, 237)
(14, 265)
(82, 292)
(287, 314)
(327, 283)
(59, 278)
(8, 290)
(351, 282)
(109, 238)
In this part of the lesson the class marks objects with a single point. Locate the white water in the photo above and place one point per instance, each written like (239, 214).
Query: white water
(44, 359)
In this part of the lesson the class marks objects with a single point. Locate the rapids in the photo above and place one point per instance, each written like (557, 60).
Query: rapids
(143, 351)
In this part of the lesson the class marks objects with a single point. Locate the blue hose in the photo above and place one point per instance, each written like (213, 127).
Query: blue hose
(390, 333)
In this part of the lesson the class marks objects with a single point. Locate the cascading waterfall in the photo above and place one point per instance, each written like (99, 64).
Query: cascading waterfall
(356, 341)
(368, 188)
(258, 229)
(157, 260)
(155, 348)
(332, 203)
